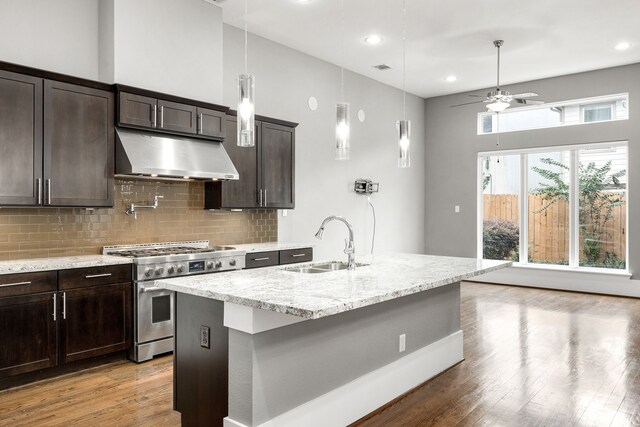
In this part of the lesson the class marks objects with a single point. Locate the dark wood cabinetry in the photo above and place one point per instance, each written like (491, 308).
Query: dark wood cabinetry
(271, 258)
(56, 143)
(20, 139)
(141, 108)
(51, 319)
(78, 145)
(266, 170)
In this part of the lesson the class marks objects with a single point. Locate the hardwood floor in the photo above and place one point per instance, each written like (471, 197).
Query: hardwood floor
(533, 358)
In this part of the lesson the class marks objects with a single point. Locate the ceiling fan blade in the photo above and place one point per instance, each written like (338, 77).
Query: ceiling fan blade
(467, 103)
(524, 95)
(528, 101)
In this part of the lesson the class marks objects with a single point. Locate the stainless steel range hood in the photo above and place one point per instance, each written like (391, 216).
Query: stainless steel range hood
(148, 154)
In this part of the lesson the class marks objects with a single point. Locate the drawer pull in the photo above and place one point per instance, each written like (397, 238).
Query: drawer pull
(297, 255)
(95, 276)
(15, 284)
(55, 309)
(261, 259)
(64, 305)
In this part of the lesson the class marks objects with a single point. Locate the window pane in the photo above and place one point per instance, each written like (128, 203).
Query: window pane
(501, 207)
(548, 213)
(598, 112)
(601, 207)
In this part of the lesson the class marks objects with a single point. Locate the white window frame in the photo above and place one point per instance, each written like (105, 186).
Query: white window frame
(610, 104)
(574, 235)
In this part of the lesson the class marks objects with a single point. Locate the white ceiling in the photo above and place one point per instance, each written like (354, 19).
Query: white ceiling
(543, 38)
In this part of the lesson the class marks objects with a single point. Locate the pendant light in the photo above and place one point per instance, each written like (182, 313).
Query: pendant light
(404, 125)
(343, 127)
(246, 136)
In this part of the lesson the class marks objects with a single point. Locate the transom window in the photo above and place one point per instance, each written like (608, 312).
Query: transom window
(562, 206)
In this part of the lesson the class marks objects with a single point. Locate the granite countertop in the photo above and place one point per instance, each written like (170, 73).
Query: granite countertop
(313, 296)
(271, 246)
(59, 263)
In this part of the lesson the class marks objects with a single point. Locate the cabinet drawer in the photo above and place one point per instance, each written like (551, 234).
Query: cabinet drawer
(94, 276)
(136, 110)
(176, 117)
(290, 256)
(211, 123)
(27, 283)
(261, 259)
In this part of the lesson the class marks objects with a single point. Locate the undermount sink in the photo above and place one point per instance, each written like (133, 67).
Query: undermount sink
(322, 267)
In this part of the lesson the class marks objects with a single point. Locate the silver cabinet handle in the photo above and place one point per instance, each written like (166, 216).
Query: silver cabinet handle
(15, 284)
(64, 305)
(95, 276)
(261, 259)
(55, 308)
(199, 124)
(48, 201)
(152, 289)
(39, 190)
(265, 198)
(260, 197)
(154, 115)
(297, 255)
(162, 116)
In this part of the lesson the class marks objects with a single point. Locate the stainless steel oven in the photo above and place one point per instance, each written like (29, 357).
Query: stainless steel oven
(153, 307)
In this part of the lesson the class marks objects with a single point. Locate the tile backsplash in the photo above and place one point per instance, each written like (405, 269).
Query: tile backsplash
(49, 232)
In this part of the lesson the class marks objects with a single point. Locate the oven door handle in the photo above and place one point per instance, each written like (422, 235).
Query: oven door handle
(152, 289)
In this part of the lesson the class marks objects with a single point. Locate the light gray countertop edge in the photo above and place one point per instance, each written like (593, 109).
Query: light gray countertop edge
(59, 263)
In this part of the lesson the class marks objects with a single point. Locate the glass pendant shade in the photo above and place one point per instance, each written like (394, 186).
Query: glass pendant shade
(342, 131)
(246, 111)
(404, 143)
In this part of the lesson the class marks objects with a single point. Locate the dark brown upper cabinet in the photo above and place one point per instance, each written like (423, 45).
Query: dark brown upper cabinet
(141, 108)
(56, 143)
(266, 170)
(78, 146)
(20, 139)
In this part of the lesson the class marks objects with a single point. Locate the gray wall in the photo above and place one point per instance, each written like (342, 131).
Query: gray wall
(285, 78)
(60, 35)
(453, 145)
(278, 370)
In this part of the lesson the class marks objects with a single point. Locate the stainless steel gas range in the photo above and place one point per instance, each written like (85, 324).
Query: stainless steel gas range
(153, 307)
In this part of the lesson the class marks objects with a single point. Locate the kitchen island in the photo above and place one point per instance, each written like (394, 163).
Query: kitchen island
(319, 349)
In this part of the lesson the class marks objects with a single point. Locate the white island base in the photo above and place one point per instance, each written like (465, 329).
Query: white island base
(288, 371)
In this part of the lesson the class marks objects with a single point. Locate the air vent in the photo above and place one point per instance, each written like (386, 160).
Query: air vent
(382, 67)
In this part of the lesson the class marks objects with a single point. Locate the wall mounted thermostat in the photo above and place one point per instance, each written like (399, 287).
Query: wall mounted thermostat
(366, 186)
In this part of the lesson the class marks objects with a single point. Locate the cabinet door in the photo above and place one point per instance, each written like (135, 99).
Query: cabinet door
(176, 117)
(20, 139)
(78, 145)
(277, 154)
(211, 123)
(136, 110)
(95, 321)
(28, 331)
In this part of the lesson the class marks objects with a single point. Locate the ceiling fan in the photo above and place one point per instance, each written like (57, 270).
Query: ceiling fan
(499, 100)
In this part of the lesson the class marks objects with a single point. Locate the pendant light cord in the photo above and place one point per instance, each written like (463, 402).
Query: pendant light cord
(498, 79)
(404, 60)
(245, 37)
(342, 67)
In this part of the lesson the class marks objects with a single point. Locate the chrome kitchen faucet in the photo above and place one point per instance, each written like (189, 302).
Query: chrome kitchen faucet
(349, 248)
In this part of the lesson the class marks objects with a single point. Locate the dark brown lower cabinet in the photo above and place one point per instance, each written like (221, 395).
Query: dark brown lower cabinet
(28, 333)
(95, 321)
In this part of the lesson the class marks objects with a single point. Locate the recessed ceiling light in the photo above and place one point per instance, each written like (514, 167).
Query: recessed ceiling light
(451, 78)
(373, 39)
(623, 46)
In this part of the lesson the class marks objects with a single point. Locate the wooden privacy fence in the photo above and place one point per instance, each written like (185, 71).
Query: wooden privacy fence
(549, 229)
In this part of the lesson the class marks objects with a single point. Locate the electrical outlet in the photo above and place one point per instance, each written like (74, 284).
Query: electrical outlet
(284, 212)
(205, 337)
(402, 344)
(457, 209)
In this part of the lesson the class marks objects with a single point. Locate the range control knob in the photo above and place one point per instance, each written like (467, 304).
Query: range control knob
(180, 268)
(148, 272)
(159, 271)
(218, 264)
(232, 262)
(171, 269)
(209, 265)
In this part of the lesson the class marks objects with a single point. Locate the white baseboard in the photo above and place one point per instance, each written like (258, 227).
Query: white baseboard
(577, 281)
(369, 392)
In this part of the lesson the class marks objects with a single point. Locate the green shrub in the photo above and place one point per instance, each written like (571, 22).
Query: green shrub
(500, 239)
